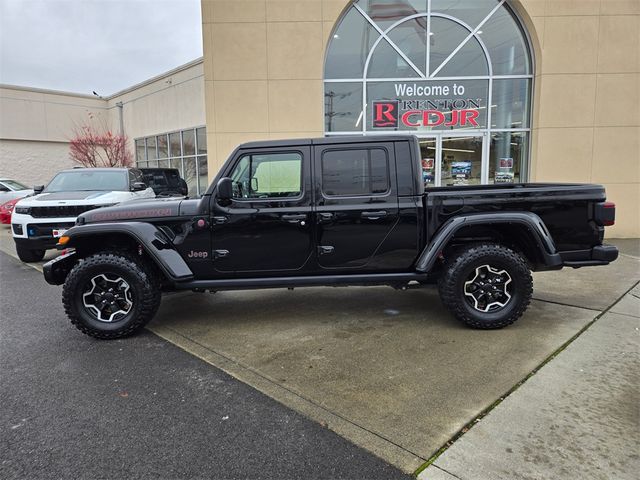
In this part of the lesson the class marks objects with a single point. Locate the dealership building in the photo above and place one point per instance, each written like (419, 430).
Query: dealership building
(497, 91)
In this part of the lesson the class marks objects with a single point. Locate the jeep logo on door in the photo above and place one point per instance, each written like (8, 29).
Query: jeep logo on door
(385, 114)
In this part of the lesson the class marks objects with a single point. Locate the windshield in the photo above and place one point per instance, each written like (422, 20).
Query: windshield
(13, 185)
(82, 180)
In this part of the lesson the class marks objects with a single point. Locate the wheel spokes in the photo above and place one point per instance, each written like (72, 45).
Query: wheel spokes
(488, 288)
(108, 299)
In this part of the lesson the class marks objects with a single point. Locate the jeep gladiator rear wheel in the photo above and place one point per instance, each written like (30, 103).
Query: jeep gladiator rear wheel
(110, 295)
(486, 286)
(29, 255)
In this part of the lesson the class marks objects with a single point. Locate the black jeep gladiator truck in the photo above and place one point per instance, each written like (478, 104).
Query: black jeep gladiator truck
(329, 211)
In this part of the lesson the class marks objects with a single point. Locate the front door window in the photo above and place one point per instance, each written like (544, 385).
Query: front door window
(272, 175)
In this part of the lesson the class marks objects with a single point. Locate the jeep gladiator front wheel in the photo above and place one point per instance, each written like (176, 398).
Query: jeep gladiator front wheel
(110, 295)
(486, 286)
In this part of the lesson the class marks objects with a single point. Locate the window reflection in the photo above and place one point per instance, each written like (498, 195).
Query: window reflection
(349, 47)
(140, 155)
(461, 161)
(471, 12)
(510, 103)
(387, 63)
(343, 107)
(386, 12)
(151, 148)
(411, 38)
(507, 156)
(428, 161)
(506, 44)
(161, 141)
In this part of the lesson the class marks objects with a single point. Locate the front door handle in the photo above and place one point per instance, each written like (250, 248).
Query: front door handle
(220, 220)
(374, 215)
(294, 218)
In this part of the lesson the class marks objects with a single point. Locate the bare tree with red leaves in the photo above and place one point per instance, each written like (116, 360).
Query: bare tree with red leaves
(93, 147)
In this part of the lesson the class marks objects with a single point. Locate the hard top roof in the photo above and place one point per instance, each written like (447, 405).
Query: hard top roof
(327, 140)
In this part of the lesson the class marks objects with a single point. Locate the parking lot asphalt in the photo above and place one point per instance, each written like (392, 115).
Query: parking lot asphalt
(74, 407)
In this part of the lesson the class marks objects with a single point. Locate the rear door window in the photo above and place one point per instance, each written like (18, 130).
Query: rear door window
(355, 172)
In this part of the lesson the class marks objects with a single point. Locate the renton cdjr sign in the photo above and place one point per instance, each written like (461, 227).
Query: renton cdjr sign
(447, 112)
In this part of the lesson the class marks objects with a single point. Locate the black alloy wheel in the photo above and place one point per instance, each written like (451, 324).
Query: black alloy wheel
(486, 285)
(111, 295)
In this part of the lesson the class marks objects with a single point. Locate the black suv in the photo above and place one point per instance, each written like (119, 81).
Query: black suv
(166, 182)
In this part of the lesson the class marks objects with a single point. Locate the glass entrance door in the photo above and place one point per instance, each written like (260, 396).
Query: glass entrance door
(453, 160)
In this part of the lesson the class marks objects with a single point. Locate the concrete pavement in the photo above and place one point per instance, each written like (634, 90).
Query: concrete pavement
(390, 371)
(577, 417)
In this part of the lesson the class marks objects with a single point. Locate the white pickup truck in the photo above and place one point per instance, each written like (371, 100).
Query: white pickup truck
(38, 221)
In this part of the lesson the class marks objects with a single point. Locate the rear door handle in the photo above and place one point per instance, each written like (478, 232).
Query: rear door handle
(374, 215)
(325, 216)
(220, 220)
(294, 218)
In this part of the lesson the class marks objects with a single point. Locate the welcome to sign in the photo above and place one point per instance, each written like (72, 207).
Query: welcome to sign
(427, 105)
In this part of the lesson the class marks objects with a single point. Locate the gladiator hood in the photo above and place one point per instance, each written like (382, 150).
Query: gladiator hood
(146, 209)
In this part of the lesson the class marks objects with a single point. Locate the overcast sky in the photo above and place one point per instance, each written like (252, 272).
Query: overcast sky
(102, 45)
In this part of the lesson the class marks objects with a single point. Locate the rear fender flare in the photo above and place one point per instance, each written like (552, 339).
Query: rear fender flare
(533, 223)
(154, 242)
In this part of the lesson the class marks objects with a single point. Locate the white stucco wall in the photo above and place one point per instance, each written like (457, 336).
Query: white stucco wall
(33, 162)
(36, 125)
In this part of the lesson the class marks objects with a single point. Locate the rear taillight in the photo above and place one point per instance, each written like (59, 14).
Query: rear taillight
(605, 213)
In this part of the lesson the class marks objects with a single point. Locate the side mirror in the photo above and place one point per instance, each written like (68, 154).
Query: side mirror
(225, 189)
(138, 186)
(38, 189)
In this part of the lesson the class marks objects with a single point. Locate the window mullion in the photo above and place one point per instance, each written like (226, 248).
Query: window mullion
(389, 41)
(464, 42)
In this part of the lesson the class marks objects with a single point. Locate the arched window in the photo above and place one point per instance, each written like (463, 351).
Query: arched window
(457, 73)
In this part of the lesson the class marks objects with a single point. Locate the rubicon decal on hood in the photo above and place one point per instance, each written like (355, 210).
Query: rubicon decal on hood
(98, 215)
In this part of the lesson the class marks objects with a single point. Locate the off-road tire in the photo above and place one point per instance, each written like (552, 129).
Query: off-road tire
(29, 255)
(460, 266)
(142, 279)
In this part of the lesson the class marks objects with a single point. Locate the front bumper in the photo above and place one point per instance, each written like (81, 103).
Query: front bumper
(36, 243)
(55, 271)
(37, 233)
(598, 255)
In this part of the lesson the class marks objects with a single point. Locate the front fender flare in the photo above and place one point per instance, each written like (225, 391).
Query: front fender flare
(154, 242)
(534, 224)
